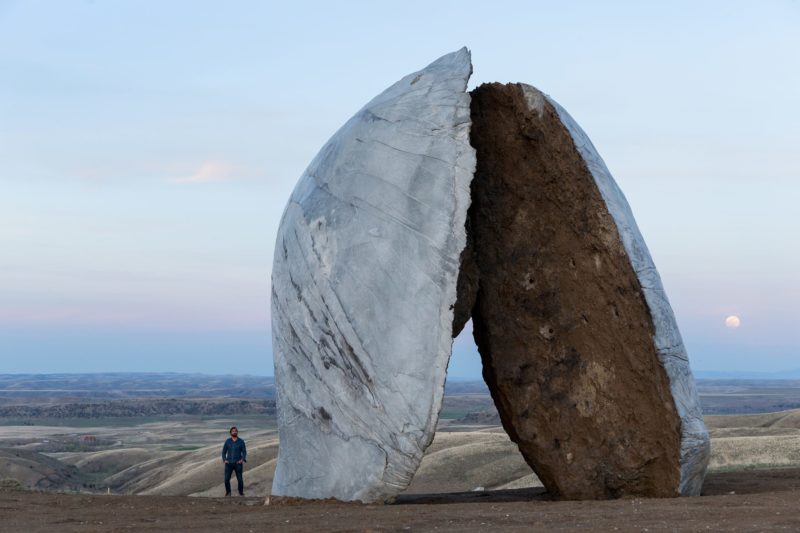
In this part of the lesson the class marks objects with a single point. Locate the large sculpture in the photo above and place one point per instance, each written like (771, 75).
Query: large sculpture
(430, 206)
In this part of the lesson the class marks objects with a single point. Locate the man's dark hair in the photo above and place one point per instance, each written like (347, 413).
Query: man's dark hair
(232, 428)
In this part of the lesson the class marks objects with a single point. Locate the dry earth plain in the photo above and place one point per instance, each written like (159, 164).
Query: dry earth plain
(134, 474)
(472, 478)
(763, 500)
(180, 457)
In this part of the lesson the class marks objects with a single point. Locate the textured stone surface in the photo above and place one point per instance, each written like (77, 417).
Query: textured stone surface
(695, 443)
(562, 325)
(364, 281)
(372, 278)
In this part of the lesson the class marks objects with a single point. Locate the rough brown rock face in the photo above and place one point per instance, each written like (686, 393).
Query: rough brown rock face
(559, 317)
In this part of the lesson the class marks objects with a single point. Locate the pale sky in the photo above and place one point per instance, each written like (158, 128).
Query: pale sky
(148, 149)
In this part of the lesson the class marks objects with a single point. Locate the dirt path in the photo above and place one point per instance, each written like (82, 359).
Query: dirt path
(762, 500)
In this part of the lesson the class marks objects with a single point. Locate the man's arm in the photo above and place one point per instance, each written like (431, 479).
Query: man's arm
(244, 452)
(224, 451)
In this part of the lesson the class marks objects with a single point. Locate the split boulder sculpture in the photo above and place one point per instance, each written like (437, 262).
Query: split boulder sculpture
(432, 206)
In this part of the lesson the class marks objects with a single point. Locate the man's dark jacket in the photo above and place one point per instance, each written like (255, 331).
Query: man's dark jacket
(234, 451)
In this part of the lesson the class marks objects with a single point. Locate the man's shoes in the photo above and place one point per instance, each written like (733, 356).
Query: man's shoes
(227, 494)
(241, 494)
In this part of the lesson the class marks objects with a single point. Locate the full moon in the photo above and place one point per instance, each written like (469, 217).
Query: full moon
(733, 321)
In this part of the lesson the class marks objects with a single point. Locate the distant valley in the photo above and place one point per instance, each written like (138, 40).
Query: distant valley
(161, 434)
(101, 395)
(122, 385)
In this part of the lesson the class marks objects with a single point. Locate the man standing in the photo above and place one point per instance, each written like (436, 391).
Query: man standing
(234, 455)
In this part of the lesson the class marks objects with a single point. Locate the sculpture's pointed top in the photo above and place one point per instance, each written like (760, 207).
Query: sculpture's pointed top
(458, 60)
(450, 72)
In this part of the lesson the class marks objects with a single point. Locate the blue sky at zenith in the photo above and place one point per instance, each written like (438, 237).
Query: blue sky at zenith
(148, 149)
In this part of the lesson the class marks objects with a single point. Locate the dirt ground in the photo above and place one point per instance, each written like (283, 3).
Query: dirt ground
(755, 500)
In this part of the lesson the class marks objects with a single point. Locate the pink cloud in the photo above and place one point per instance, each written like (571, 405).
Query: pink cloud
(212, 171)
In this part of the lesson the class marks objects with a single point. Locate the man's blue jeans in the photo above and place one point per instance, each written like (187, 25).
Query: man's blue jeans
(229, 469)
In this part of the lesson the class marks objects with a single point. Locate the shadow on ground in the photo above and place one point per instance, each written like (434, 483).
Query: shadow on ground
(716, 484)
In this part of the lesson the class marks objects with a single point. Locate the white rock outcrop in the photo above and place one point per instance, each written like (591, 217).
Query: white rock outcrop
(364, 283)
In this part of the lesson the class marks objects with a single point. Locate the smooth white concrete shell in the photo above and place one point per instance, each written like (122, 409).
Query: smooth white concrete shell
(695, 443)
(363, 288)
